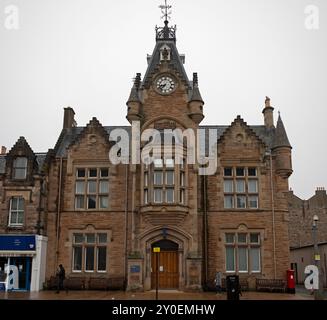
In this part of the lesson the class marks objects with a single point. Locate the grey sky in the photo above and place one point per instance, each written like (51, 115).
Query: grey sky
(84, 54)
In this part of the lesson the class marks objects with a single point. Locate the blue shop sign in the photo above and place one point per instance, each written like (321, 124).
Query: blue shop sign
(17, 243)
(135, 269)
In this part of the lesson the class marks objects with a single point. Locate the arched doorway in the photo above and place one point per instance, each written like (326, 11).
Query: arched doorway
(168, 265)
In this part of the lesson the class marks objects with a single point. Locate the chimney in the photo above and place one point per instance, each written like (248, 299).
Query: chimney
(268, 113)
(69, 121)
(3, 150)
(321, 191)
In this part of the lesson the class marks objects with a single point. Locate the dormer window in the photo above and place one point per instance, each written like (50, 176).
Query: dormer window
(20, 168)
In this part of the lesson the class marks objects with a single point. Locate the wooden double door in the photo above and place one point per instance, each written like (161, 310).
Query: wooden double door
(168, 269)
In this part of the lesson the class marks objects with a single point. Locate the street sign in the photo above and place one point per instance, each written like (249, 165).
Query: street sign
(157, 249)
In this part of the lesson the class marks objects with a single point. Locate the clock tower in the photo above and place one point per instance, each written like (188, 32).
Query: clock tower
(165, 193)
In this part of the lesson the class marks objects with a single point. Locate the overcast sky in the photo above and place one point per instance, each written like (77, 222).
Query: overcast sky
(84, 54)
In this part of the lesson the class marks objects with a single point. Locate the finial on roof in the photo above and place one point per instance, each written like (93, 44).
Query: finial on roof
(267, 102)
(165, 10)
(134, 95)
(166, 32)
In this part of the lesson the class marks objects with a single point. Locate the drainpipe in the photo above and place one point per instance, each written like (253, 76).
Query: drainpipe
(38, 224)
(126, 225)
(205, 229)
(58, 212)
(273, 213)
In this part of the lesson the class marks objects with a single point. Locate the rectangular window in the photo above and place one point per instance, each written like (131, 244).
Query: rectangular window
(103, 202)
(80, 187)
(255, 238)
(230, 259)
(91, 202)
(91, 248)
(170, 195)
(20, 168)
(242, 259)
(93, 173)
(89, 259)
(252, 186)
(228, 186)
(104, 173)
(104, 186)
(77, 258)
(182, 196)
(245, 190)
(255, 259)
(102, 258)
(16, 211)
(91, 190)
(157, 178)
(230, 237)
(158, 195)
(80, 173)
(145, 179)
(241, 237)
(170, 177)
(146, 196)
(241, 202)
(229, 202)
(91, 187)
(240, 172)
(240, 186)
(228, 172)
(253, 202)
(252, 172)
(79, 202)
(182, 179)
(244, 254)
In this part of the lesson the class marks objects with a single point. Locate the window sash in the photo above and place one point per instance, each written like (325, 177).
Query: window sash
(103, 186)
(229, 202)
(77, 258)
(16, 211)
(158, 195)
(228, 186)
(230, 259)
(170, 195)
(103, 202)
(242, 259)
(253, 202)
(79, 202)
(253, 186)
(91, 202)
(158, 178)
(240, 186)
(80, 187)
(170, 177)
(101, 259)
(20, 168)
(255, 259)
(241, 202)
(89, 258)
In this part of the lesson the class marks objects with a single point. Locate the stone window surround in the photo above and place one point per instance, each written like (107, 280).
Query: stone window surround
(247, 245)
(147, 189)
(234, 193)
(86, 179)
(89, 230)
(16, 225)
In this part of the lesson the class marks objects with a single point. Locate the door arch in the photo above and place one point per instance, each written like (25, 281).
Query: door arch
(168, 266)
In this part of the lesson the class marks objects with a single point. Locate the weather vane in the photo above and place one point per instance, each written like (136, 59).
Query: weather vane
(165, 9)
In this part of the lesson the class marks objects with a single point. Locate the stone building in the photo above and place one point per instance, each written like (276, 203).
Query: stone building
(23, 222)
(104, 221)
(301, 232)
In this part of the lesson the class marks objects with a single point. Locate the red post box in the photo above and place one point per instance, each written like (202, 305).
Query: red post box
(290, 281)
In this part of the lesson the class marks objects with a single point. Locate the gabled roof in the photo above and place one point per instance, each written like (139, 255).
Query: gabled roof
(256, 131)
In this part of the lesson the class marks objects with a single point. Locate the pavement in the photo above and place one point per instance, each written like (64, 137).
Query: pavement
(301, 294)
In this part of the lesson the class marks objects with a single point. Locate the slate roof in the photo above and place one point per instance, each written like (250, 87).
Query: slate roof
(280, 138)
(40, 157)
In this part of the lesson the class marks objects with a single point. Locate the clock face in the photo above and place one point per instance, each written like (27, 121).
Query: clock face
(165, 85)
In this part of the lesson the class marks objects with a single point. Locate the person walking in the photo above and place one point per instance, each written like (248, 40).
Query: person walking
(218, 282)
(60, 278)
